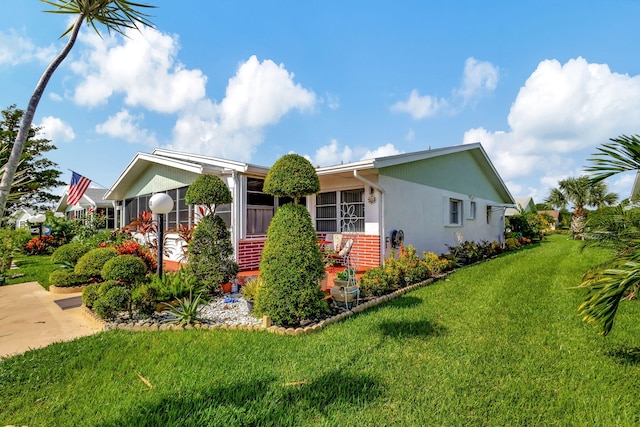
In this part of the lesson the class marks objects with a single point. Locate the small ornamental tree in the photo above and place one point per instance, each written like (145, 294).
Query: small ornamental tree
(210, 251)
(292, 176)
(291, 264)
(209, 191)
(211, 258)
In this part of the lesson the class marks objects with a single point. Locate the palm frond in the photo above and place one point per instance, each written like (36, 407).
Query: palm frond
(622, 154)
(606, 288)
(116, 15)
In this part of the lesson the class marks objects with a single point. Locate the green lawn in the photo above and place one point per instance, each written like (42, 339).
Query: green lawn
(497, 344)
(35, 268)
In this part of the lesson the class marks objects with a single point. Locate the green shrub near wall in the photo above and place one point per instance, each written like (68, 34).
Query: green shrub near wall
(91, 263)
(291, 268)
(124, 269)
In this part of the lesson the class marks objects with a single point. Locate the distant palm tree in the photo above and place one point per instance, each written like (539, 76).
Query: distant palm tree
(580, 192)
(116, 15)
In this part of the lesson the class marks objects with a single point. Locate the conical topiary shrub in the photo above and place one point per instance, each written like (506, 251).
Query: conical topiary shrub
(291, 264)
(291, 268)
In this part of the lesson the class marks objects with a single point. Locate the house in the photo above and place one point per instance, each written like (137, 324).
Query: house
(91, 203)
(523, 205)
(433, 198)
(21, 217)
(555, 214)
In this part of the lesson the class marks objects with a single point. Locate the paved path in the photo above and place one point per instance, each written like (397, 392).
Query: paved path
(29, 318)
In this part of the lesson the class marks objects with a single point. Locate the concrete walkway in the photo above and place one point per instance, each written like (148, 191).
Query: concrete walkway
(29, 318)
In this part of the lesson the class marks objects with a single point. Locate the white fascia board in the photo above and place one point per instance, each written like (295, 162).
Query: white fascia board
(230, 165)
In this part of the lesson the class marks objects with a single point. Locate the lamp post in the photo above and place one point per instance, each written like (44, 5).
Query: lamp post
(38, 219)
(160, 204)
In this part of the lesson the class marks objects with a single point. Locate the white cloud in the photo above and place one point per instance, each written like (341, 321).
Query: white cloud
(333, 101)
(54, 129)
(385, 150)
(479, 79)
(259, 95)
(16, 49)
(558, 118)
(420, 107)
(125, 126)
(144, 68)
(332, 154)
(411, 135)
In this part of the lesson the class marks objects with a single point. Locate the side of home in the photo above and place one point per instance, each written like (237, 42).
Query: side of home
(434, 198)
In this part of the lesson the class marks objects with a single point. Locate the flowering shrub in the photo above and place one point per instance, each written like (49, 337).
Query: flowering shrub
(131, 247)
(40, 245)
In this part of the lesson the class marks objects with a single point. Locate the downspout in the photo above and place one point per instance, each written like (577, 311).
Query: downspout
(381, 228)
(235, 214)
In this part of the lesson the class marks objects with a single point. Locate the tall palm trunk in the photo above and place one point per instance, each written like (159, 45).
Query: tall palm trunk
(578, 221)
(9, 169)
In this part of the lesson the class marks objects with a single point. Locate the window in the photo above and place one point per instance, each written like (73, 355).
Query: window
(472, 210)
(455, 212)
(488, 214)
(260, 207)
(348, 218)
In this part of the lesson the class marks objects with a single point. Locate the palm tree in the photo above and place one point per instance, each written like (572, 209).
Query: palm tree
(606, 287)
(116, 15)
(580, 192)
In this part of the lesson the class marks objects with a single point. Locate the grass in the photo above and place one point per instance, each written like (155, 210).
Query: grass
(498, 343)
(36, 268)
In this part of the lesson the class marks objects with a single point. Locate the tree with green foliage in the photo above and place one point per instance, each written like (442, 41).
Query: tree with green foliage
(209, 191)
(607, 286)
(38, 175)
(580, 192)
(211, 258)
(210, 251)
(292, 176)
(115, 15)
(292, 264)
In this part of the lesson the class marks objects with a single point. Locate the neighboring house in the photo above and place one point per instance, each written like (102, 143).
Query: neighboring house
(436, 198)
(555, 214)
(523, 205)
(21, 217)
(91, 203)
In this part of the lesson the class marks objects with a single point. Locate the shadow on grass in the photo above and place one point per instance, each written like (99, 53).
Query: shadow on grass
(625, 355)
(261, 402)
(404, 302)
(405, 329)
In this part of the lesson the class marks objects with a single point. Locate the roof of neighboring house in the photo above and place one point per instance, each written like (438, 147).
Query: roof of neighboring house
(22, 211)
(92, 198)
(553, 212)
(525, 202)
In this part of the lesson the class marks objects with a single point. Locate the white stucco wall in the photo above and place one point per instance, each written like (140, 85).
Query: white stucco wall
(422, 213)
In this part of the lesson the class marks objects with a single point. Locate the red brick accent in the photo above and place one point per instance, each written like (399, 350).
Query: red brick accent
(250, 252)
(365, 251)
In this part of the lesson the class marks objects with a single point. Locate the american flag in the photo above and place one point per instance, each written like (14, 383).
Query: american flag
(78, 186)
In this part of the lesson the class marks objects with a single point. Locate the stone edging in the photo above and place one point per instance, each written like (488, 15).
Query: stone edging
(266, 322)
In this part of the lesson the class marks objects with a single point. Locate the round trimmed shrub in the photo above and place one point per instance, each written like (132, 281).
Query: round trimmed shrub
(376, 282)
(67, 278)
(144, 298)
(124, 269)
(292, 176)
(211, 259)
(116, 299)
(208, 190)
(291, 268)
(90, 294)
(91, 263)
(69, 253)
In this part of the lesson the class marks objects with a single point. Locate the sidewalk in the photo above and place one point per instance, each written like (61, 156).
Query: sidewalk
(29, 318)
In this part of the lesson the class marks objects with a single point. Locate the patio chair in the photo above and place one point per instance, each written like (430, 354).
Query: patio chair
(341, 254)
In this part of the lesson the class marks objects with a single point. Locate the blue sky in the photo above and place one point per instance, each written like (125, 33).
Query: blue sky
(539, 84)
